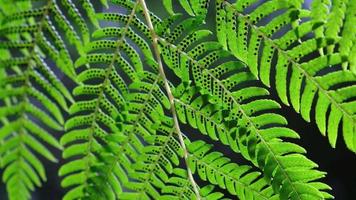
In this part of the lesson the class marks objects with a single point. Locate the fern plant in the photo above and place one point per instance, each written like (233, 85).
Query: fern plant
(139, 100)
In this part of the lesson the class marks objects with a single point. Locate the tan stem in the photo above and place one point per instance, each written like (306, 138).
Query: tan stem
(169, 93)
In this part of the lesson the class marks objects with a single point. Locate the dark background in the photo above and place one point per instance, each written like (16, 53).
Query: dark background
(339, 163)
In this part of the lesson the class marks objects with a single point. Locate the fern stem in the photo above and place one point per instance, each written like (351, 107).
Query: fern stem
(170, 95)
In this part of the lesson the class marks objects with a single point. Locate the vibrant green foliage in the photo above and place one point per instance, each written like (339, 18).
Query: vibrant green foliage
(299, 80)
(123, 91)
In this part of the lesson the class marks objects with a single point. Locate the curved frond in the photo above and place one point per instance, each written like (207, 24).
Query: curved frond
(94, 117)
(120, 104)
(254, 131)
(298, 80)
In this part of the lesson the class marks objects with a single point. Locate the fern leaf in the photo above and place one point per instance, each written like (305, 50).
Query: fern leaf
(205, 118)
(101, 122)
(143, 114)
(290, 60)
(21, 166)
(223, 84)
(32, 34)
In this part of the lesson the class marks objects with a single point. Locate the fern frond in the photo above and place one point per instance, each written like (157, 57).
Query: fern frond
(238, 180)
(33, 86)
(114, 89)
(142, 104)
(203, 116)
(126, 147)
(34, 93)
(254, 44)
(207, 118)
(145, 108)
(347, 40)
(130, 4)
(254, 130)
